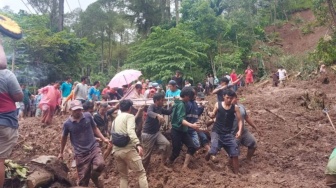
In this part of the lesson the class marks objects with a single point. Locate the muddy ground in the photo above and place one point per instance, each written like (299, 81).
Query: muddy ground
(293, 147)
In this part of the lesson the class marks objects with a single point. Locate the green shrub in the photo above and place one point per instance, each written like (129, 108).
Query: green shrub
(307, 29)
(300, 63)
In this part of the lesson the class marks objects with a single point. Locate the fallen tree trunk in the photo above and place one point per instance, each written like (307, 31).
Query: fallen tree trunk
(263, 83)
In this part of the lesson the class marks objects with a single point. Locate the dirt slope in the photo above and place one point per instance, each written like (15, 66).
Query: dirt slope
(292, 39)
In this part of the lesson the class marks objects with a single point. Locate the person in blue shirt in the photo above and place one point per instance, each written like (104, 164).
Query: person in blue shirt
(173, 90)
(94, 93)
(66, 88)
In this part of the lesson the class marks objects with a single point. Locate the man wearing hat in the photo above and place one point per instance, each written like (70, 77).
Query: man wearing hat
(88, 156)
(172, 90)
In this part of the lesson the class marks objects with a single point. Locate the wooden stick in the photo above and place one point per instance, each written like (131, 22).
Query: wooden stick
(296, 134)
(274, 114)
(331, 121)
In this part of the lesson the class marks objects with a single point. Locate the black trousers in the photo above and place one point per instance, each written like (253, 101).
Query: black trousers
(178, 139)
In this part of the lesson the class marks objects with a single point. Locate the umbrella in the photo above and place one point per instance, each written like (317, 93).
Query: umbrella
(124, 78)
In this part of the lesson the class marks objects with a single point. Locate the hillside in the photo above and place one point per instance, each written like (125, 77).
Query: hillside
(299, 35)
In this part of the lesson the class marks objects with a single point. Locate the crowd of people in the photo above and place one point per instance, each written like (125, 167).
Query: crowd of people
(137, 129)
(136, 132)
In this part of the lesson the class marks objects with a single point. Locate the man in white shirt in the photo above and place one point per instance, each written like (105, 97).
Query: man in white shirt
(282, 75)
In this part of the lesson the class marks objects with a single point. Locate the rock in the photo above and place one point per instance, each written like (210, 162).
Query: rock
(44, 159)
(39, 179)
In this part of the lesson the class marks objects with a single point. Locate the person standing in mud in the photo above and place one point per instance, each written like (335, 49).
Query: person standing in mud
(221, 135)
(94, 93)
(50, 100)
(65, 89)
(224, 84)
(249, 76)
(246, 139)
(81, 90)
(10, 92)
(26, 100)
(151, 135)
(82, 130)
(128, 156)
(275, 78)
(282, 76)
(179, 130)
(192, 117)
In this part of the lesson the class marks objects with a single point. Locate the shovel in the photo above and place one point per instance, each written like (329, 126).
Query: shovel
(326, 112)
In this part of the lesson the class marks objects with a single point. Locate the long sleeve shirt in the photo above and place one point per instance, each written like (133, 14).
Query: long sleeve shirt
(152, 124)
(125, 124)
(178, 115)
(51, 96)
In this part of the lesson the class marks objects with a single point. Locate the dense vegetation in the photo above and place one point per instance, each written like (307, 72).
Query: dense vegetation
(154, 36)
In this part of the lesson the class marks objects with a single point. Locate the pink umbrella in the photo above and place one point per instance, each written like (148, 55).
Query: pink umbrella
(124, 78)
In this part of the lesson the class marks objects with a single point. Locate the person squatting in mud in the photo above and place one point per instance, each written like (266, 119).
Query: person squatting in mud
(82, 130)
(221, 135)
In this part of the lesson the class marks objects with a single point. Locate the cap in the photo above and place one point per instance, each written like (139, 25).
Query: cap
(154, 84)
(75, 105)
(150, 85)
(172, 82)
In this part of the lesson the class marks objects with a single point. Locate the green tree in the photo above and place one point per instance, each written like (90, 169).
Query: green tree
(166, 51)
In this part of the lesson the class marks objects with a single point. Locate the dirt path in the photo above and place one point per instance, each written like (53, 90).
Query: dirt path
(282, 159)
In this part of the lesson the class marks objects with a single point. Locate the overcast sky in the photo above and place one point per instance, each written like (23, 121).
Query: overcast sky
(17, 5)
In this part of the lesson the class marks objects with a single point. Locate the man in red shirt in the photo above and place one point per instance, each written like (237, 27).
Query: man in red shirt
(249, 76)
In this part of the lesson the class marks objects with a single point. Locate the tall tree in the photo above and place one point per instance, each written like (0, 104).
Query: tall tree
(332, 10)
(60, 15)
(166, 51)
(177, 11)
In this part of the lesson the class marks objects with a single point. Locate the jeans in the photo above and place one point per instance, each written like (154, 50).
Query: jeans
(179, 138)
(203, 138)
(194, 136)
(227, 141)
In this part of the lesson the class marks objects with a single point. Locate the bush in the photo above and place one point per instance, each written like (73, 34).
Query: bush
(298, 64)
(307, 29)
